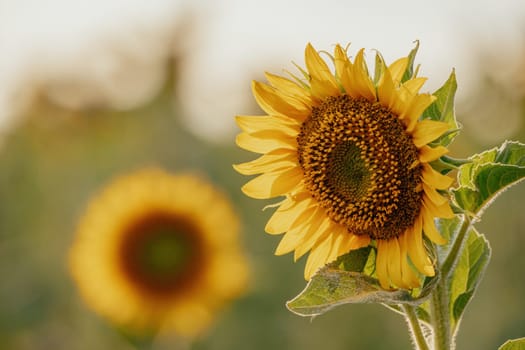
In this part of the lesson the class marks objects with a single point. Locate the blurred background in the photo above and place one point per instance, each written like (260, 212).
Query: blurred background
(91, 90)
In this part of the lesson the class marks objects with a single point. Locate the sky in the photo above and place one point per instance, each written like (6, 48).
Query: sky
(111, 51)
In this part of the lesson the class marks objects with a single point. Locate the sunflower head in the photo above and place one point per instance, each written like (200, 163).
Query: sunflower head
(156, 251)
(351, 156)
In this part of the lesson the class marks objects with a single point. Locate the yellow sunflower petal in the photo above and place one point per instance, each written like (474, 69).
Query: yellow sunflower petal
(291, 88)
(386, 90)
(283, 218)
(416, 249)
(341, 63)
(343, 68)
(409, 277)
(269, 185)
(382, 264)
(414, 85)
(435, 179)
(362, 85)
(274, 103)
(265, 141)
(251, 124)
(271, 161)
(337, 243)
(322, 81)
(347, 243)
(401, 104)
(308, 222)
(428, 130)
(394, 263)
(418, 105)
(313, 235)
(318, 257)
(356, 242)
(442, 210)
(433, 195)
(290, 240)
(429, 154)
(398, 68)
(429, 227)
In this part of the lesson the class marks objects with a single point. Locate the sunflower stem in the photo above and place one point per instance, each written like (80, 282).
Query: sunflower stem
(440, 300)
(418, 337)
(439, 306)
(453, 256)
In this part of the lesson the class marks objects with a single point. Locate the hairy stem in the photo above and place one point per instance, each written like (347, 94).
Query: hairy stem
(440, 299)
(453, 256)
(415, 327)
(440, 318)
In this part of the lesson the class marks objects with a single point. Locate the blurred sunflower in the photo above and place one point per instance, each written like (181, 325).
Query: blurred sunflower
(158, 252)
(351, 155)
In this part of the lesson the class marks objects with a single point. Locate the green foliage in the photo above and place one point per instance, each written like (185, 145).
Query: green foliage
(468, 274)
(442, 109)
(488, 175)
(514, 344)
(355, 261)
(480, 181)
(344, 282)
(410, 72)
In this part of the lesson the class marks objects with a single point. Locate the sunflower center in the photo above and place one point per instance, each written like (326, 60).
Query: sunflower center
(348, 171)
(160, 253)
(362, 166)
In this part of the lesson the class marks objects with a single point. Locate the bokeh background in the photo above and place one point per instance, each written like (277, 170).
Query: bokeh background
(91, 90)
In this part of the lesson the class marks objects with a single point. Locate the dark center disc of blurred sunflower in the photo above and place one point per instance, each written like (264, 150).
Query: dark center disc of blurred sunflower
(362, 166)
(162, 254)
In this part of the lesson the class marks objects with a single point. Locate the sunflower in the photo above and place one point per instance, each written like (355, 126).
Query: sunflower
(352, 158)
(158, 252)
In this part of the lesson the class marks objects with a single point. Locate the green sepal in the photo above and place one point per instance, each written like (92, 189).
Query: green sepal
(410, 72)
(442, 109)
(379, 68)
(454, 162)
(488, 175)
(446, 164)
(334, 285)
(514, 344)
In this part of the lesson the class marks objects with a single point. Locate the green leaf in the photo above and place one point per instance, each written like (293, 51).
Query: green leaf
(488, 175)
(332, 286)
(353, 261)
(514, 344)
(442, 109)
(468, 274)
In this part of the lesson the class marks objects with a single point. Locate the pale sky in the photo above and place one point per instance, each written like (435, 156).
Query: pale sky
(235, 40)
